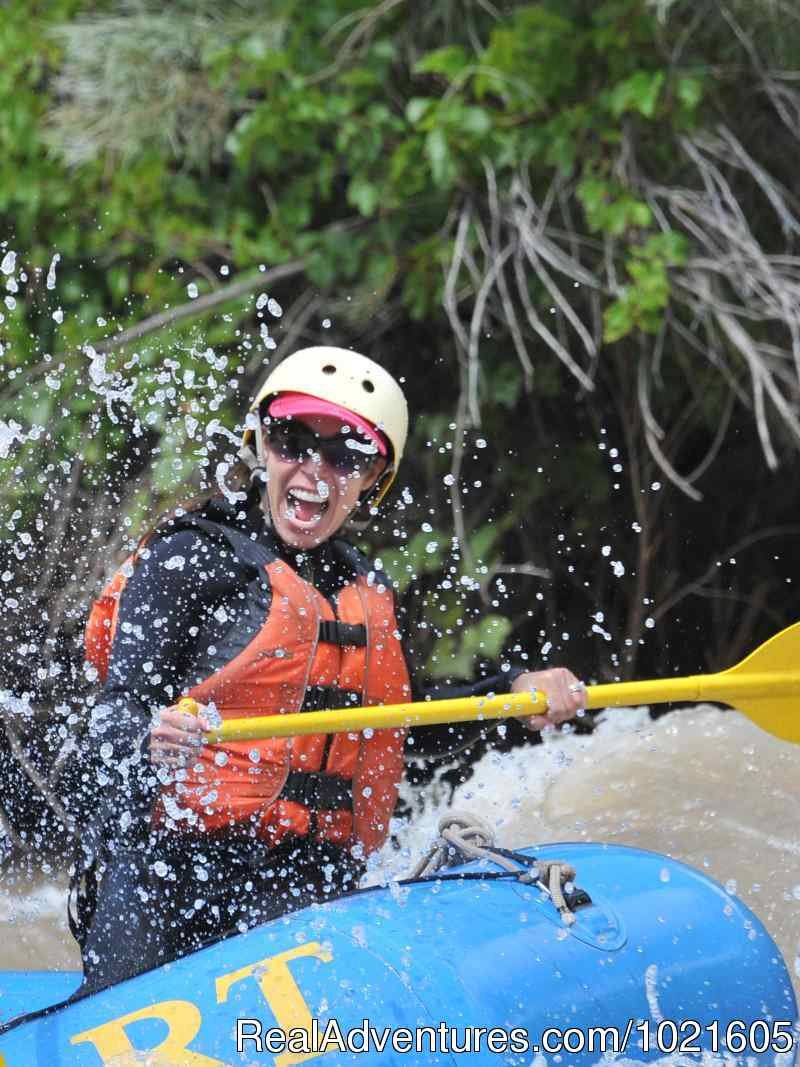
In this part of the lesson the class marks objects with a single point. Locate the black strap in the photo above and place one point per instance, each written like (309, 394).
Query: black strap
(81, 901)
(347, 634)
(321, 792)
(325, 697)
(247, 551)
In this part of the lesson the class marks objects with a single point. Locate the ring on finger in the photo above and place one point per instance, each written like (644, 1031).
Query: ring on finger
(577, 687)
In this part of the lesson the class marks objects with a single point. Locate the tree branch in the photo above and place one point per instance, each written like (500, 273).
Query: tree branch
(234, 291)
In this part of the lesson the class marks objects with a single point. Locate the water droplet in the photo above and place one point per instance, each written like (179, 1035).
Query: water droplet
(192, 290)
(51, 273)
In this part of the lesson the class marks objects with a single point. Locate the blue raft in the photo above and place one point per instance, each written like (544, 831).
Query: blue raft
(660, 960)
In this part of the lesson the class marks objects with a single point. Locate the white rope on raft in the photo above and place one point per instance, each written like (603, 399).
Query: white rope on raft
(471, 837)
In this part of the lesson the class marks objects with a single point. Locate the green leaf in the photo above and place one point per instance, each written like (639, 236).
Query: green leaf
(640, 214)
(424, 554)
(441, 161)
(364, 195)
(617, 322)
(483, 540)
(690, 91)
(455, 654)
(449, 61)
(474, 121)
(417, 107)
(639, 93)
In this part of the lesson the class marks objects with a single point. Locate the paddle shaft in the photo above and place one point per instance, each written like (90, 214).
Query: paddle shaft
(722, 687)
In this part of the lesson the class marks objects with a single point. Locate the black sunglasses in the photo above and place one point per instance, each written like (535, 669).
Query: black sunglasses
(294, 442)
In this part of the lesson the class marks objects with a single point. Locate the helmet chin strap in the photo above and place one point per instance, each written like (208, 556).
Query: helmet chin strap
(256, 462)
(254, 458)
(359, 518)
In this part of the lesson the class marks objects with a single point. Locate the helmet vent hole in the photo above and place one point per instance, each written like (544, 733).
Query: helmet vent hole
(368, 386)
(329, 369)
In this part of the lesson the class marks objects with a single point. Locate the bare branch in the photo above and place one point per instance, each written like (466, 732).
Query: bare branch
(696, 585)
(234, 291)
(717, 443)
(668, 469)
(502, 284)
(450, 299)
(33, 775)
(552, 342)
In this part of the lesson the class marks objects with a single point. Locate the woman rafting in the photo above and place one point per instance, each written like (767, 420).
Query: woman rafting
(252, 602)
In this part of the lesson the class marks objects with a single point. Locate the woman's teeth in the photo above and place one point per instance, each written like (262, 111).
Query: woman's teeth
(309, 497)
(306, 506)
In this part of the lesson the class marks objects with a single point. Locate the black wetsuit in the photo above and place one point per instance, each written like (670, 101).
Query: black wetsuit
(160, 894)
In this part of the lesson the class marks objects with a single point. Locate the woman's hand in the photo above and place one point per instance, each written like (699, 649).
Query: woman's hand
(566, 696)
(176, 736)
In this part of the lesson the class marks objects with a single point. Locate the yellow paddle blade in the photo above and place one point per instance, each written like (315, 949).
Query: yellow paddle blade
(765, 686)
(770, 681)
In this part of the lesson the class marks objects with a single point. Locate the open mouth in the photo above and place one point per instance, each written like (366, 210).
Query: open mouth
(305, 507)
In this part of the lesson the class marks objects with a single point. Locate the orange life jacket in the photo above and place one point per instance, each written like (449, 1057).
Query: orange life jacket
(98, 637)
(293, 653)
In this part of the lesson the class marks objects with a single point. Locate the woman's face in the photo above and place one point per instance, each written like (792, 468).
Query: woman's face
(310, 498)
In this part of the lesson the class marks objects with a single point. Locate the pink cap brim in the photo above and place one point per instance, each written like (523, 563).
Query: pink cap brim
(302, 404)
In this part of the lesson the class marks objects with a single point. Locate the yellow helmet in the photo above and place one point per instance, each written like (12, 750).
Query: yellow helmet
(346, 379)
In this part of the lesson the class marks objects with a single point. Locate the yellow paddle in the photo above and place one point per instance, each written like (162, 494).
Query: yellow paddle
(765, 686)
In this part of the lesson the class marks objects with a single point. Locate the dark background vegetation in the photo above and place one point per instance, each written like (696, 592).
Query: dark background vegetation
(570, 227)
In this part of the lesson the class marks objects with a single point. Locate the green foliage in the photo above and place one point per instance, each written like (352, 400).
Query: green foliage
(423, 555)
(165, 151)
(455, 654)
(643, 300)
(531, 60)
(611, 209)
(639, 92)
